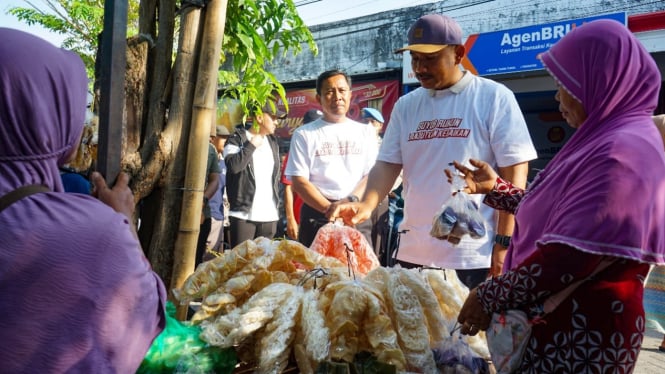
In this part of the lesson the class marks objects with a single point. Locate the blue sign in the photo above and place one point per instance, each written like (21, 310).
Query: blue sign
(515, 50)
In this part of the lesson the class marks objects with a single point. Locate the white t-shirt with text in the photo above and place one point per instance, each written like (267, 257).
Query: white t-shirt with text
(334, 157)
(476, 118)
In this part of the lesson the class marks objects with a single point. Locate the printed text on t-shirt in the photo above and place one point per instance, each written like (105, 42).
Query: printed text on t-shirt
(439, 128)
(339, 148)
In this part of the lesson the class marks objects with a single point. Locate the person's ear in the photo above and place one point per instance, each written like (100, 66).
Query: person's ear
(460, 51)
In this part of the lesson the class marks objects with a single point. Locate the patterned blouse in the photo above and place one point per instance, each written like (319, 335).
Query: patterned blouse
(598, 329)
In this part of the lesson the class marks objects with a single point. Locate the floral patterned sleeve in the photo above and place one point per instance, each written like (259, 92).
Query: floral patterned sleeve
(547, 271)
(504, 196)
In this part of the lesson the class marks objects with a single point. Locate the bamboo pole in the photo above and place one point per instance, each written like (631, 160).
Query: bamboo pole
(165, 156)
(204, 108)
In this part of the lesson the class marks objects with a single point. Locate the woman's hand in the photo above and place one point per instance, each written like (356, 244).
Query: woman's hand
(472, 317)
(120, 197)
(257, 140)
(481, 180)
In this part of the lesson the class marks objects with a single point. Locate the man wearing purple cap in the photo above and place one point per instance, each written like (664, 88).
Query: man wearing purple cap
(454, 115)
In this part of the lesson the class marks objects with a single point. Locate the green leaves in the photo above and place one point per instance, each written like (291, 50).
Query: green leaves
(256, 32)
(80, 21)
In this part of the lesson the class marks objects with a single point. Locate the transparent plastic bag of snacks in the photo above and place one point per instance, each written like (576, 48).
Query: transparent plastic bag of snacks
(453, 355)
(458, 216)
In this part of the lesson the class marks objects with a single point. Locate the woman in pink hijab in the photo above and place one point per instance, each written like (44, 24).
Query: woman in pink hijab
(601, 198)
(76, 293)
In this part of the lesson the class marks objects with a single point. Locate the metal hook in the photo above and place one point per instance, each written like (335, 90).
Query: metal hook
(456, 327)
(349, 250)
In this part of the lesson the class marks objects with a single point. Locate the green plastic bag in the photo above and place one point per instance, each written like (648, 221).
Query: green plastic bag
(363, 363)
(178, 349)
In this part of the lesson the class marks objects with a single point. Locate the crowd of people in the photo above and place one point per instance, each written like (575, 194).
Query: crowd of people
(62, 289)
(579, 212)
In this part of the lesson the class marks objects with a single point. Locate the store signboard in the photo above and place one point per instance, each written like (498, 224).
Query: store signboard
(511, 51)
(516, 50)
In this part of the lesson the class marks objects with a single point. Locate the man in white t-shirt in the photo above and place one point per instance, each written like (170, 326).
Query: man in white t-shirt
(454, 115)
(330, 158)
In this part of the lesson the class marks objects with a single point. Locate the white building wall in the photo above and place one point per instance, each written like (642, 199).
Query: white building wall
(366, 44)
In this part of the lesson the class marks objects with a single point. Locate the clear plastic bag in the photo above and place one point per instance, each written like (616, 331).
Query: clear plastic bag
(458, 216)
(453, 355)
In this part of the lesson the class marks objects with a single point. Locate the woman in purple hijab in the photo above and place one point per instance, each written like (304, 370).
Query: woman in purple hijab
(601, 198)
(76, 293)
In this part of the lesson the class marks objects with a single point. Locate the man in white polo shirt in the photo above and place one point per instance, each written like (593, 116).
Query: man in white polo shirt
(454, 115)
(330, 158)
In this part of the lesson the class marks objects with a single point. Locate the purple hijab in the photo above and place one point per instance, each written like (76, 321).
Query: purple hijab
(76, 292)
(604, 192)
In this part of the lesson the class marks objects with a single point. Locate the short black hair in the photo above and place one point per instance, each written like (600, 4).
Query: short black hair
(330, 73)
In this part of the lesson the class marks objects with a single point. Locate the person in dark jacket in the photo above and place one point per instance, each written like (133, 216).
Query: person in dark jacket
(251, 155)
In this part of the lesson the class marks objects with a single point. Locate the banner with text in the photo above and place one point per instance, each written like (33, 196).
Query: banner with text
(516, 50)
(380, 95)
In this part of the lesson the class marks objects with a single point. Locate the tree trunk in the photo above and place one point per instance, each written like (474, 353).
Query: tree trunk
(159, 151)
(159, 118)
(205, 110)
(135, 92)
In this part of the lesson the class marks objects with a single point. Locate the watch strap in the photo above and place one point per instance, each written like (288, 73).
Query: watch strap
(502, 240)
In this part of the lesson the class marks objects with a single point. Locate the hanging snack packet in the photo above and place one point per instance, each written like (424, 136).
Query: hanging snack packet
(347, 245)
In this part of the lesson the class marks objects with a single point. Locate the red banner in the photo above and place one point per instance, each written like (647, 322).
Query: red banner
(380, 95)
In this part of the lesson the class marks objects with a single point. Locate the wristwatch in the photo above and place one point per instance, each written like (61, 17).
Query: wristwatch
(502, 240)
(205, 199)
(353, 198)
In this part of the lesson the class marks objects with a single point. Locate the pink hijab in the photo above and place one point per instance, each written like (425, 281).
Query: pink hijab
(76, 292)
(604, 192)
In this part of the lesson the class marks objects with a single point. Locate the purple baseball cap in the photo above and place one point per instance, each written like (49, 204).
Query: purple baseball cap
(431, 33)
